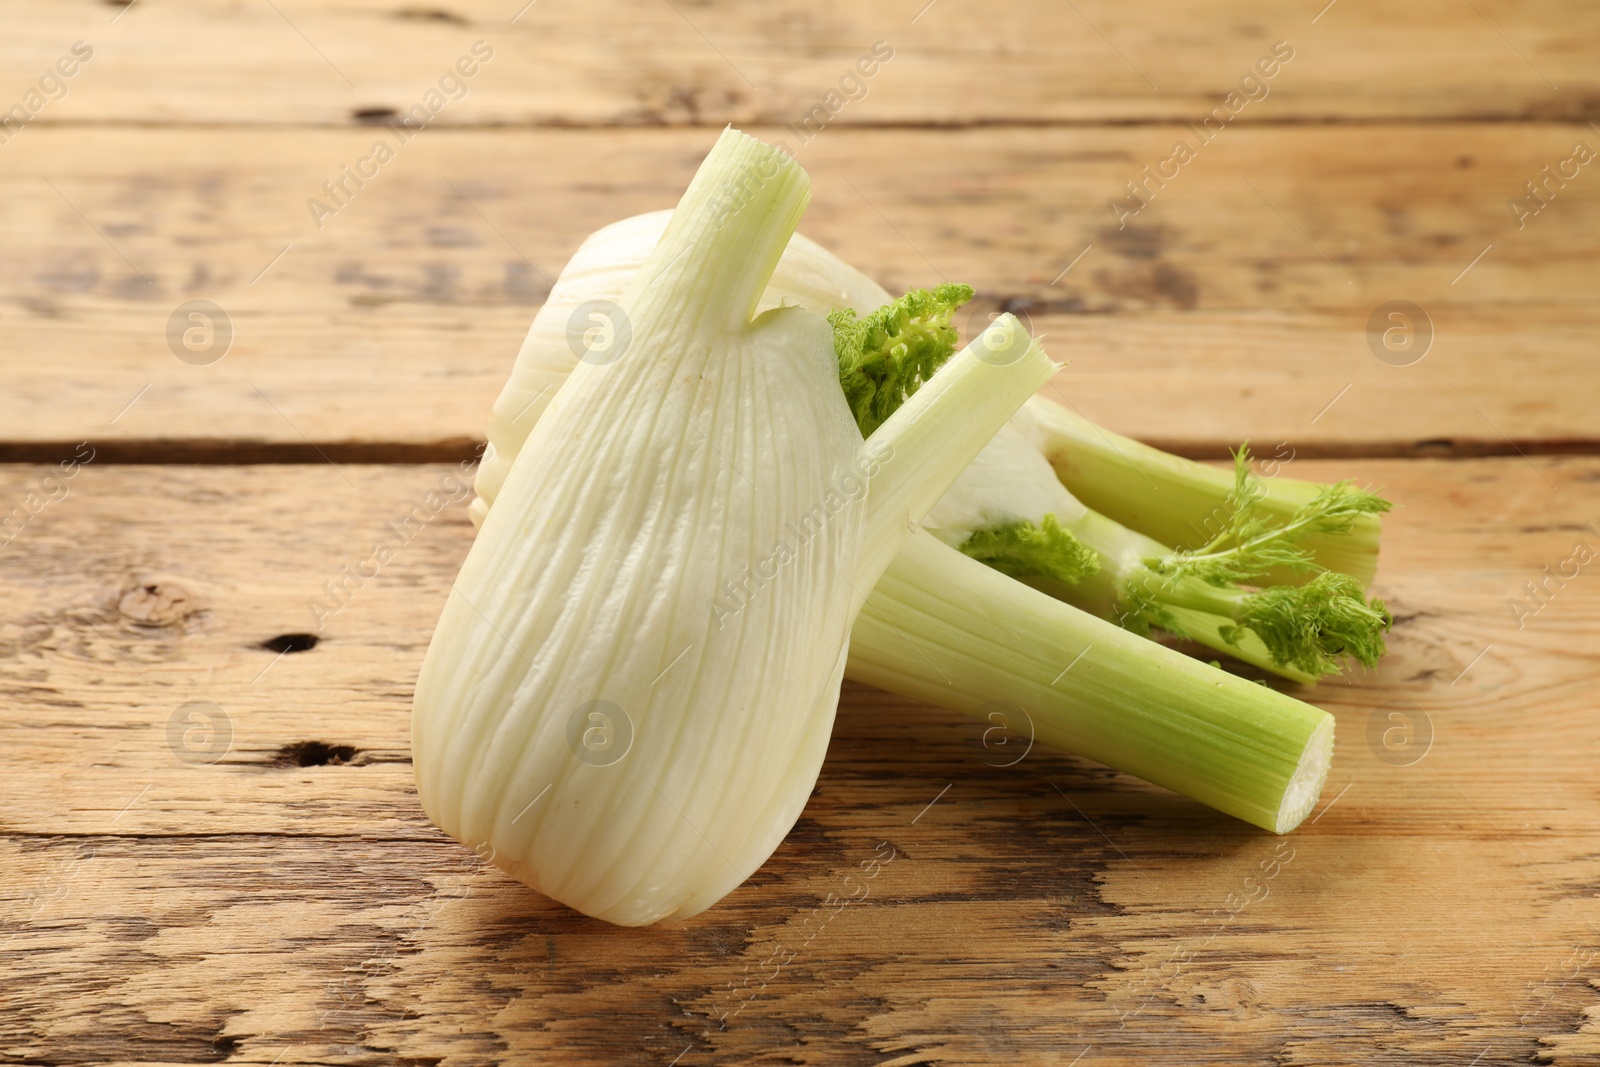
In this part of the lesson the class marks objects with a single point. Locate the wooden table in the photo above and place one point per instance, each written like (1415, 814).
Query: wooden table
(212, 845)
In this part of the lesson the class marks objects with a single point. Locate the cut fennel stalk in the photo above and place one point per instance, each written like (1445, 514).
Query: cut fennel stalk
(1009, 510)
(1280, 748)
(1089, 687)
(1182, 503)
(646, 484)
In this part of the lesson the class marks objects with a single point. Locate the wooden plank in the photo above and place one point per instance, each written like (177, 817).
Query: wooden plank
(163, 908)
(645, 63)
(1236, 305)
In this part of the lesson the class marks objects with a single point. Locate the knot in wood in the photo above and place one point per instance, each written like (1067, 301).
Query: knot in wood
(158, 602)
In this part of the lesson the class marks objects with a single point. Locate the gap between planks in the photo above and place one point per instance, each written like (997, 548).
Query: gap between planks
(221, 452)
(1531, 116)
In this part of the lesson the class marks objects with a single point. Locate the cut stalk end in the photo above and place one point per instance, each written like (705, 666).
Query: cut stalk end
(944, 628)
(1309, 776)
(733, 223)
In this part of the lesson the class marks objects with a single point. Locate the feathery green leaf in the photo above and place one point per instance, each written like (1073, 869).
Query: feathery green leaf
(1308, 627)
(1311, 626)
(1253, 544)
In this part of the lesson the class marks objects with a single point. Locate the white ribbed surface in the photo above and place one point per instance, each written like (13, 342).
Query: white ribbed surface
(646, 485)
(599, 562)
(808, 275)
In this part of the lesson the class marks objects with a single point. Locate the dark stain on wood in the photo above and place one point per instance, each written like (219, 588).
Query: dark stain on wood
(315, 754)
(431, 14)
(291, 643)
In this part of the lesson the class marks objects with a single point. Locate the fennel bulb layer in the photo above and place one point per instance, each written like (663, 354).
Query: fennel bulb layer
(648, 483)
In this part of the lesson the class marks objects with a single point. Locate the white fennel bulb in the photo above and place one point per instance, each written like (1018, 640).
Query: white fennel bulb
(1010, 481)
(580, 319)
(587, 713)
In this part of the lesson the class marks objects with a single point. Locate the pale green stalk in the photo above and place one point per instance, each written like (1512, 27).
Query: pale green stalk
(1182, 503)
(1139, 707)
(944, 628)
(1198, 610)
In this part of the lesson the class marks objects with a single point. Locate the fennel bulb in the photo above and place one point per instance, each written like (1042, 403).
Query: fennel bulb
(581, 711)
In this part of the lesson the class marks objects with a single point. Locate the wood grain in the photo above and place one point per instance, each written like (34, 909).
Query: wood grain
(639, 62)
(213, 850)
(163, 909)
(1236, 305)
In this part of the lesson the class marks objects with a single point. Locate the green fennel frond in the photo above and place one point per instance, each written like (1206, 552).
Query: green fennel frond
(886, 356)
(1024, 550)
(1251, 543)
(1311, 626)
(1140, 607)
